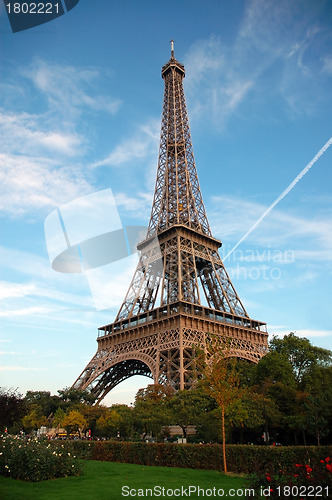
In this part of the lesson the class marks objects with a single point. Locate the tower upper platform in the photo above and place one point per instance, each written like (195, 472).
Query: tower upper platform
(173, 63)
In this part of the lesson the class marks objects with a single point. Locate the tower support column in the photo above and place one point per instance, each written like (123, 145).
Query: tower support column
(181, 360)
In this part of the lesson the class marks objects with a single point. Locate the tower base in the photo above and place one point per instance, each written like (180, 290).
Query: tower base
(161, 345)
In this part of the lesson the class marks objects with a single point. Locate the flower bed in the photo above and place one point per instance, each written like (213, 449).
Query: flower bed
(305, 480)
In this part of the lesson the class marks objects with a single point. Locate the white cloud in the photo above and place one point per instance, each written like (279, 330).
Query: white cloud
(26, 311)
(26, 263)
(204, 57)
(231, 217)
(327, 65)
(235, 93)
(41, 292)
(10, 291)
(136, 206)
(34, 172)
(21, 369)
(15, 290)
(313, 255)
(266, 26)
(110, 283)
(22, 132)
(70, 89)
(16, 353)
(313, 333)
(31, 183)
(281, 331)
(275, 37)
(142, 144)
(214, 86)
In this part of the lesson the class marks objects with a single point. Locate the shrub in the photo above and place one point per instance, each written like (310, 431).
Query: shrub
(35, 460)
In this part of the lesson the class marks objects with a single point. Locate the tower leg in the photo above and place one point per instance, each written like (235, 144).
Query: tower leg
(181, 361)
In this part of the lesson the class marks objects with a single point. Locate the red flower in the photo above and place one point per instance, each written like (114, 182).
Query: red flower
(268, 478)
(329, 467)
(296, 475)
(309, 469)
(298, 465)
(322, 461)
(327, 459)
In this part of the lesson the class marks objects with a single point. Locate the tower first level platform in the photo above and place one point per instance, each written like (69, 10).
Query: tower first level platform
(161, 344)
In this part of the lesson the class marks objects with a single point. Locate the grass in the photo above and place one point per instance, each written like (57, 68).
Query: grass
(104, 481)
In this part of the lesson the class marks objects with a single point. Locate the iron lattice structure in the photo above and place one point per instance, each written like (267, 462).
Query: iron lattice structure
(180, 292)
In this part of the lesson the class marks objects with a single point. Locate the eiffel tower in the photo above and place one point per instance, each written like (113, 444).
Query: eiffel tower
(180, 292)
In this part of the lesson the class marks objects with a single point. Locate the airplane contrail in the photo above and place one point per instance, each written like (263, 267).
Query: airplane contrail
(283, 194)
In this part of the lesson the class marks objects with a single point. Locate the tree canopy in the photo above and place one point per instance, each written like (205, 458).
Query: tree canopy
(301, 354)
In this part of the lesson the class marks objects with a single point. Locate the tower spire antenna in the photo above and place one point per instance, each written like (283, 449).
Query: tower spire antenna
(172, 49)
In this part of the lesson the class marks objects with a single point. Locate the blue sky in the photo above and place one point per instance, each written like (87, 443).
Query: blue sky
(80, 109)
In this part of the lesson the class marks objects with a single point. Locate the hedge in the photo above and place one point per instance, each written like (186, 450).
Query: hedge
(240, 459)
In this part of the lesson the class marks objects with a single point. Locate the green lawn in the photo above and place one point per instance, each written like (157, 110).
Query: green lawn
(104, 481)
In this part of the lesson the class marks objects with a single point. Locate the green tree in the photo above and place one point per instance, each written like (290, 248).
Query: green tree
(116, 421)
(275, 380)
(208, 426)
(221, 381)
(286, 376)
(126, 424)
(91, 414)
(12, 410)
(43, 400)
(253, 412)
(285, 397)
(274, 367)
(150, 410)
(74, 421)
(70, 397)
(187, 407)
(296, 421)
(34, 420)
(108, 423)
(58, 418)
(318, 404)
(301, 354)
